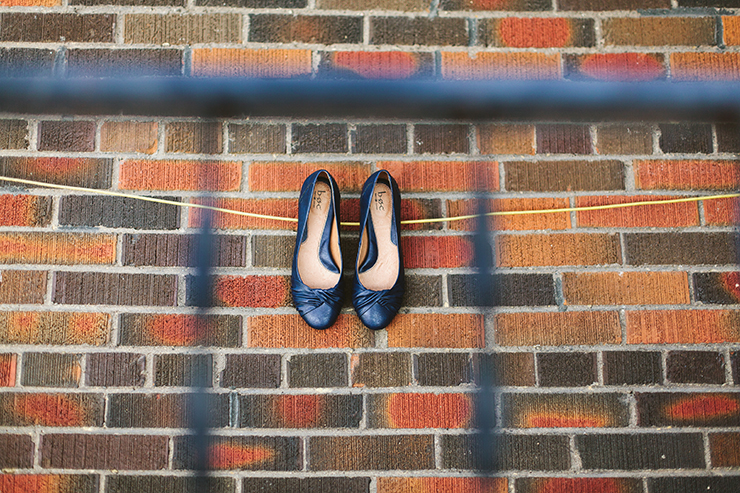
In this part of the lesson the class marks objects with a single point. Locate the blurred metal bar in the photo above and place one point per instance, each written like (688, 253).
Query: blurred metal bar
(470, 100)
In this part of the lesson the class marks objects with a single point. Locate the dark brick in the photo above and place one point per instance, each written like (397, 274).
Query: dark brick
(69, 28)
(251, 370)
(440, 31)
(380, 139)
(510, 290)
(142, 3)
(316, 138)
(517, 5)
(579, 485)
(242, 453)
(42, 409)
(564, 410)
(175, 484)
(183, 370)
(381, 369)
(101, 288)
(624, 139)
(735, 358)
(706, 367)
(510, 369)
(563, 139)
(383, 452)
(42, 483)
(115, 370)
(613, 4)
(125, 62)
(683, 409)
(709, 3)
(180, 330)
(644, 451)
(725, 449)
(322, 29)
(163, 410)
(317, 370)
(122, 452)
(256, 138)
(16, 451)
(680, 248)
(566, 369)
(715, 484)
(515, 452)
(300, 411)
(275, 251)
(51, 370)
(441, 139)
(181, 250)
(67, 136)
(717, 287)
(19, 286)
(80, 172)
(254, 4)
(564, 176)
(443, 369)
(115, 212)
(26, 62)
(13, 134)
(306, 485)
(422, 290)
(686, 137)
(632, 368)
(194, 137)
(728, 137)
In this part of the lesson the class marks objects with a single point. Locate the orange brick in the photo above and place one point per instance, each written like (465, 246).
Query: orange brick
(558, 328)
(379, 64)
(721, 212)
(290, 331)
(436, 330)
(129, 137)
(52, 409)
(683, 326)
(705, 66)
(533, 32)
(441, 176)
(564, 411)
(561, 249)
(616, 66)
(687, 175)
(8, 366)
(625, 288)
(250, 63)
(222, 176)
(442, 485)
(22, 286)
(641, 216)
(505, 139)
(272, 207)
(520, 222)
(57, 248)
(252, 291)
(25, 210)
(488, 65)
(436, 252)
(30, 3)
(45, 483)
(407, 410)
(731, 30)
(54, 328)
(289, 177)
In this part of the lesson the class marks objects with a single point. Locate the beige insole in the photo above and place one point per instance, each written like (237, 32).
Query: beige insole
(384, 273)
(312, 271)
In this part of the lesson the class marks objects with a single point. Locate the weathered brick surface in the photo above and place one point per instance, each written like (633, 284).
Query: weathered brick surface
(632, 368)
(177, 29)
(250, 62)
(532, 32)
(251, 370)
(563, 139)
(623, 139)
(98, 288)
(626, 288)
(641, 216)
(616, 67)
(256, 138)
(115, 212)
(725, 449)
(643, 451)
(705, 367)
(123, 62)
(511, 290)
(436, 331)
(165, 250)
(283, 176)
(183, 370)
(122, 452)
(115, 370)
(31, 28)
(516, 452)
(127, 136)
(300, 411)
(22, 287)
(418, 31)
(63, 483)
(485, 65)
(684, 409)
(304, 29)
(26, 409)
(505, 139)
(348, 485)
(8, 369)
(557, 328)
(119, 483)
(381, 369)
(54, 328)
(51, 370)
(565, 411)
(180, 175)
(556, 221)
(443, 370)
(163, 410)
(575, 485)
(80, 172)
(194, 137)
(318, 370)
(679, 248)
(281, 331)
(686, 174)
(26, 62)
(473, 485)
(512, 369)
(376, 64)
(686, 138)
(320, 138)
(379, 452)
(16, 451)
(566, 369)
(179, 330)
(682, 326)
(407, 410)
(14, 134)
(562, 249)
(564, 176)
(243, 453)
(659, 31)
(704, 66)
(700, 483)
(441, 139)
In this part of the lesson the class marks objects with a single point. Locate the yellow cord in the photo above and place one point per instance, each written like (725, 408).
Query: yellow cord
(410, 221)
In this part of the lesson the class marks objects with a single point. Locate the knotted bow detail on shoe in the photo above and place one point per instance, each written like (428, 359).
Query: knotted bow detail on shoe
(389, 299)
(307, 299)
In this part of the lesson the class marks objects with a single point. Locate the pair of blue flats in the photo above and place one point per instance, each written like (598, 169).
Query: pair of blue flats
(317, 262)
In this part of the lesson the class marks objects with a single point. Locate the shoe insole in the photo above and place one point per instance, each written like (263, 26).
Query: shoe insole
(312, 271)
(383, 274)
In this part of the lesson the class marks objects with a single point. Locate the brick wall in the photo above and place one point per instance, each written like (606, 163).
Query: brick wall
(617, 332)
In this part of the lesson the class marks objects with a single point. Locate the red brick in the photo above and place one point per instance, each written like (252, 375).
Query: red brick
(488, 65)
(180, 330)
(436, 330)
(534, 32)
(669, 409)
(182, 29)
(659, 31)
(616, 66)
(683, 326)
(251, 63)
(558, 328)
(377, 64)
(198, 137)
(122, 452)
(725, 449)
(721, 212)
(565, 411)
(505, 139)
(272, 207)
(289, 177)
(731, 30)
(705, 66)
(128, 136)
(641, 216)
(224, 176)
(48, 483)
(443, 176)
(66, 135)
(252, 291)
(625, 288)
(57, 248)
(19, 286)
(25, 210)
(39, 409)
(560, 249)
(579, 485)
(371, 452)
(54, 328)
(412, 410)
(32, 3)
(443, 485)
(436, 251)
(80, 172)
(290, 331)
(8, 367)
(519, 222)
(672, 174)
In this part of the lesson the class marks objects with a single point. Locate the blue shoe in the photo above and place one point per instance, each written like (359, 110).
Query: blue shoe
(378, 285)
(317, 260)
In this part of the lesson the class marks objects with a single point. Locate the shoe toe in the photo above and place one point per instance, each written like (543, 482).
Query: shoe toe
(321, 317)
(377, 316)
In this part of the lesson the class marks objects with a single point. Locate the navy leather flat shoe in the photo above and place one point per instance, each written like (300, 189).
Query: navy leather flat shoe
(378, 285)
(317, 260)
